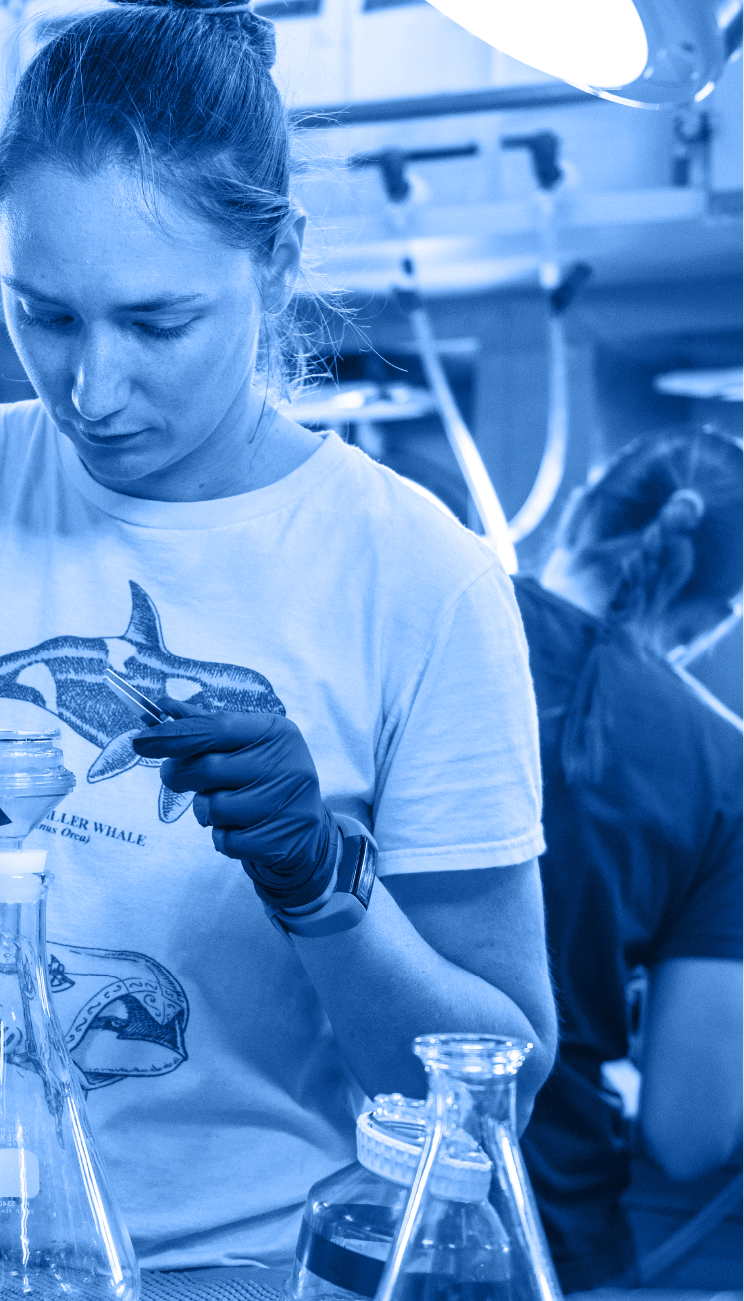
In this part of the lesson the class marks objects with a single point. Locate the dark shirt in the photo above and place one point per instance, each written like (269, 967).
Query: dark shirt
(642, 815)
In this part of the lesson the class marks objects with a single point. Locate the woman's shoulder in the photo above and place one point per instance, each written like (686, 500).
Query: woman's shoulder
(15, 413)
(701, 711)
(18, 418)
(25, 428)
(408, 524)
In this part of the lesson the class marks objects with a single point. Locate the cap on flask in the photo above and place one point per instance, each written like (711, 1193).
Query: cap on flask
(22, 877)
(465, 1178)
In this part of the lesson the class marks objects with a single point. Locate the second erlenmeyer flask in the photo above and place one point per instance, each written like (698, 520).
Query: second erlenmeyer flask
(61, 1235)
(477, 1074)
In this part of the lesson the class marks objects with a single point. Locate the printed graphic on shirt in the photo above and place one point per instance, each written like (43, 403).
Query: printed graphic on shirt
(65, 676)
(122, 1014)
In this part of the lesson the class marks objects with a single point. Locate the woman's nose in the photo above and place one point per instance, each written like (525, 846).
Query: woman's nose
(101, 385)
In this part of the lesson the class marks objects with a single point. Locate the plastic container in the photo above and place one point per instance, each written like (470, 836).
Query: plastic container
(460, 1249)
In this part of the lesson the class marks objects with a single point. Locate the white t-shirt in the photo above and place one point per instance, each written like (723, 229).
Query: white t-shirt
(390, 635)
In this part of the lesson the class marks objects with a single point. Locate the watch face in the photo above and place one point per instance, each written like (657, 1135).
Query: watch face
(365, 872)
(348, 903)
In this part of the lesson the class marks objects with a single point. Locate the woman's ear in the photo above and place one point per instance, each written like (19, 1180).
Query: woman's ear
(284, 264)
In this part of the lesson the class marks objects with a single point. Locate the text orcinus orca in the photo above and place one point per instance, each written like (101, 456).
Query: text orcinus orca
(65, 676)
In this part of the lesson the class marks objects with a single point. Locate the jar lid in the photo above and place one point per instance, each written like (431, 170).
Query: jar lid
(23, 737)
(462, 1172)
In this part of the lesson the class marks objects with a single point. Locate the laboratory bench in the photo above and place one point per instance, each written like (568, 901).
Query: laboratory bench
(266, 1285)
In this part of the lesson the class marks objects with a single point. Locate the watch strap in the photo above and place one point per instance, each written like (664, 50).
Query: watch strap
(348, 904)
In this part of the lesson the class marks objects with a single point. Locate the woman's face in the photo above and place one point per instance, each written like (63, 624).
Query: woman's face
(139, 336)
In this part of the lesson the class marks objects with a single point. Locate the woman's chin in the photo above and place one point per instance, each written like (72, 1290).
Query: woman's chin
(119, 464)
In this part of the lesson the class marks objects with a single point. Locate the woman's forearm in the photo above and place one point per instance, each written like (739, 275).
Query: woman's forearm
(382, 984)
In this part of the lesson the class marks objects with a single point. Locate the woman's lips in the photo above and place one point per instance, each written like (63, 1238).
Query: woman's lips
(106, 440)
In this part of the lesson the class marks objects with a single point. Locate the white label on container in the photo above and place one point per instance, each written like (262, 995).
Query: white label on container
(19, 1172)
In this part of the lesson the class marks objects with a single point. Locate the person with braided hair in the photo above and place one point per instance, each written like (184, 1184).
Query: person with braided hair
(344, 667)
(642, 814)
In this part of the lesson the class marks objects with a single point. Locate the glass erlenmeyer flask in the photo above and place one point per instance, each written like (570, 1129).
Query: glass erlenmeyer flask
(480, 1073)
(61, 1235)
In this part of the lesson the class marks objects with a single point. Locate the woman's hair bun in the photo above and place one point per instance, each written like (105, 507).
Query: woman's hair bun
(682, 511)
(262, 36)
(259, 31)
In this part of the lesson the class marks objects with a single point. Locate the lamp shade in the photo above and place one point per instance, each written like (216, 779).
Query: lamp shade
(646, 53)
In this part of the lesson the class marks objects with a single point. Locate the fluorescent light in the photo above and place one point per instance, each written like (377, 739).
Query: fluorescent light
(584, 42)
(645, 53)
(724, 384)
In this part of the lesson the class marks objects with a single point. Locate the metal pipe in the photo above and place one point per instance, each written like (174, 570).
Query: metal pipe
(681, 656)
(493, 100)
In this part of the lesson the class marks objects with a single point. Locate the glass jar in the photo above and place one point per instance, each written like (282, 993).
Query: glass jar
(460, 1248)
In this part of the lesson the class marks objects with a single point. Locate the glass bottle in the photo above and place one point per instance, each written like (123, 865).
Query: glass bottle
(459, 1248)
(481, 1072)
(61, 1235)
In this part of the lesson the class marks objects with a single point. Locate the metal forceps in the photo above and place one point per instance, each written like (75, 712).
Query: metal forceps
(146, 709)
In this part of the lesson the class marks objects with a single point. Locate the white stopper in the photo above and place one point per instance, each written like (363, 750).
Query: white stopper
(18, 861)
(21, 875)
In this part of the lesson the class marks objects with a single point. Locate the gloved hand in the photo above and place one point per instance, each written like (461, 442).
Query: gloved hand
(257, 787)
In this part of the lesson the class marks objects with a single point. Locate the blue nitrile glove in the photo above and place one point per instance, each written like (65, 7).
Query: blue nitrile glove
(257, 787)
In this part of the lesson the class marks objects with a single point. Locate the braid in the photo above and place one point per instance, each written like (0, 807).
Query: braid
(656, 567)
(662, 525)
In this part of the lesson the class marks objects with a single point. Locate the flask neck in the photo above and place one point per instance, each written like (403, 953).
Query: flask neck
(25, 921)
(23, 941)
(23, 924)
(479, 1070)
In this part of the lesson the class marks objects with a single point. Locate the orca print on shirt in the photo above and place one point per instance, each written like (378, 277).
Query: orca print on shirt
(123, 1014)
(65, 676)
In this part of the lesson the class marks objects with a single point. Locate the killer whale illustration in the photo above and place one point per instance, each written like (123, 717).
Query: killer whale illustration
(123, 1014)
(64, 676)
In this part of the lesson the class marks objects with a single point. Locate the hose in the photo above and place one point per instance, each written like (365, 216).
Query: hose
(544, 148)
(550, 474)
(460, 439)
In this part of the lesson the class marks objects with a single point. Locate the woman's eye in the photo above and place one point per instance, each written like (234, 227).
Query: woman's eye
(164, 332)
(142, 327)
(45, 322)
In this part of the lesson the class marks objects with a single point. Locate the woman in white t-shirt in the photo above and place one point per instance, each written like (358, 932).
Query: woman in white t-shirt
(262, 573)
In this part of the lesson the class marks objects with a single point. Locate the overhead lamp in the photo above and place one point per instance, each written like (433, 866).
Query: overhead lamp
(726, 384)
(646, 53)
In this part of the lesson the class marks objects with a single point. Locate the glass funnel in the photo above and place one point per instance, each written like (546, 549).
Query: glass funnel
(33, 780)
(61, 1235)
(472, 1084)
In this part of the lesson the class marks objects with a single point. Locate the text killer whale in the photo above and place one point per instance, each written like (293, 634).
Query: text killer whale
(65, 676)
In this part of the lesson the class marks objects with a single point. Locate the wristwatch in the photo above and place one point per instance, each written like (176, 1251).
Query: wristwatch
(348, 904)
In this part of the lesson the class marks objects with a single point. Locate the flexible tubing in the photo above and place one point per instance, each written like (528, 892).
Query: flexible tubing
(460, 440)
(550, 474)
(684, 655)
